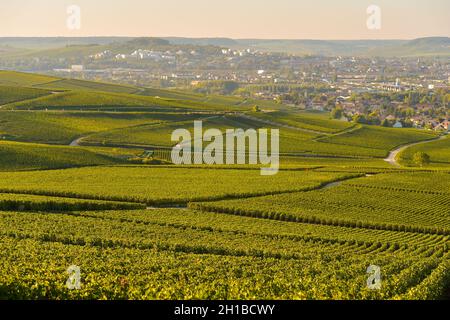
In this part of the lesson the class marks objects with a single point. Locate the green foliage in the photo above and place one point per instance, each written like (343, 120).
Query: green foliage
(217, 87)
(309, 232)
(439, 152)
(24, 156)
(14, 94)
(359, 118)
(179, 254)
(22, 202)
(154, 185)
(383, 139)
(319, 122)
(385, 123)
(421, 159)
(109, 101)
(20, 79)
(58, 127)
(337, 113)
(74, 84)
(355, 203)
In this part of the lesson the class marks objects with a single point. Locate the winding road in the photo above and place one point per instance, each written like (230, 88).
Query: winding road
(392, 158)
(76, 143)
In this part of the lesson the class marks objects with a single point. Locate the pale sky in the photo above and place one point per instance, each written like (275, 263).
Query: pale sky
(270, 19)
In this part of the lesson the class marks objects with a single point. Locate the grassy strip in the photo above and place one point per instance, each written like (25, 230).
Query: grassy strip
(21, 202)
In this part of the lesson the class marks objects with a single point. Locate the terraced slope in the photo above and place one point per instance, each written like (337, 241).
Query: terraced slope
(155, 185)
(27, 156)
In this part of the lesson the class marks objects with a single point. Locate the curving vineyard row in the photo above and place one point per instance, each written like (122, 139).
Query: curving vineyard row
(23, 202)
(120, 258)
(357, 203)
(155, 186)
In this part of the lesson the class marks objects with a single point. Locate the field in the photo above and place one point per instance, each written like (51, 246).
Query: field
(13, 94)
(168, 185)
(20, 80)
(80, 85)
(64, 127)
(379, 138)
(304, 120)
(439, 152)
(84, 182)
(410, 203)
(27, 156)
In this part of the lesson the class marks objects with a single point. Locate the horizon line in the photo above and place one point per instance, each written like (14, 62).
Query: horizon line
(228, 38)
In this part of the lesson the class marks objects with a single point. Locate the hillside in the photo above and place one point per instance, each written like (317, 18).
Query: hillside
(431, 46)
(26, 156)
(205, 231)
(74, 47)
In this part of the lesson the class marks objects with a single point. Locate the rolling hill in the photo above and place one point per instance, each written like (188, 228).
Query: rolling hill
(166, 231)
(74, 47)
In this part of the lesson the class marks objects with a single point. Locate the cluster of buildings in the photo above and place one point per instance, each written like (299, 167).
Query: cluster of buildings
(141, 54)
(317, 82)
(421, 116)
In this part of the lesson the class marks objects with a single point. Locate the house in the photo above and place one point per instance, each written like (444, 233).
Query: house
(390, 118)
(318, 106)
(77, 68)
(443, 126)
(398, 124)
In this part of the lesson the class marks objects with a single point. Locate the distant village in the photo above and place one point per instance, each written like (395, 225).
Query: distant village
(394, 92)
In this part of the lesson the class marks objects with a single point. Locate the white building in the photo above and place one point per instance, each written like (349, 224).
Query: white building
(77, 68)
(398, 124)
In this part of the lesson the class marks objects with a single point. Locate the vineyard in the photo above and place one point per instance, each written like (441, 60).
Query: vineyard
(304, 120)
(439, 152)
(379, 138)
(153, 185)
(27, 156)
(10, 94)
(355, 203)
(86, 180)
(62, 128)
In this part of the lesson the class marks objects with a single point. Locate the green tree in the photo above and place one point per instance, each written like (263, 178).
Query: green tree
(386, 123)
(359, 118)
(421, 159)
(337, 113)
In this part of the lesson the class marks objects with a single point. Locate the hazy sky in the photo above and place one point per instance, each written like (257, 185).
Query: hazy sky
(288, 19)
